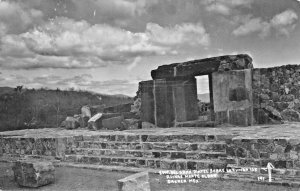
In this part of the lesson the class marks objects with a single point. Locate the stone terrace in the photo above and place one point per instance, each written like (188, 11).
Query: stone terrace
(171, 148)
(280, 131)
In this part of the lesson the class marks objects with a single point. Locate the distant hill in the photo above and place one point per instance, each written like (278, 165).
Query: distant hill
(48, 107)
(5, 90)
(204, 97)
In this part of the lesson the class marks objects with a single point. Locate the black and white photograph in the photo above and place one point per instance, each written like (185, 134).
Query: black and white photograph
(149, 95)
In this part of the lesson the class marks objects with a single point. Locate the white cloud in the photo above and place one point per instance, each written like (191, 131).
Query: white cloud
(189, 33)
(226, 7)
(15, 18)
(65, 43)
(218, 8)
(253, 25)
(282, 23)
(134, 63)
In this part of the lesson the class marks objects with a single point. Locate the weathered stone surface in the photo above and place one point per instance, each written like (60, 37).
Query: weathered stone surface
(203, 66)
(33, 173)
(82, 120)
(278, 87)
(92, 123)
(96, 121)
(86, 111)
(147, 101)
(146, 125)
(113, 123)
(273, 113)
(290, 115)
(185, 99)
(135, 182)
(232, 97)
(131, 124)
(136, 107)
(70, 123)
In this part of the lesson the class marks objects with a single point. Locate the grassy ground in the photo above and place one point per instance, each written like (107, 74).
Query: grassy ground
(76, 179)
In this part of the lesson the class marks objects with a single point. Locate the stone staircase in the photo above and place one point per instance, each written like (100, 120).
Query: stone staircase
(150, 151)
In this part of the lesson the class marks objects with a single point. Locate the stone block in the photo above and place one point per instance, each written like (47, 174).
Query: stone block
(70, 123)
(33, 173)
(96, 122)
(131, 124)
(147, 125)
(86, 111)
(147, 101)
(290, 115)
(135, 182)
(113, 123)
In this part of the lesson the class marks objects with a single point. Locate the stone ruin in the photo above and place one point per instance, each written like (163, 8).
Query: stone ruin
(171, 96)
(239, 94)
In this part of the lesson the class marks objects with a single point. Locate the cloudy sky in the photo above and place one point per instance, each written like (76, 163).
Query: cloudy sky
(108, 46)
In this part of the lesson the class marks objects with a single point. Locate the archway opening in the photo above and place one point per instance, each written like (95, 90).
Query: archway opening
(203, 95)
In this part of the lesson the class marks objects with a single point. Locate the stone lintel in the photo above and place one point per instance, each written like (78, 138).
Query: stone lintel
(203, 66)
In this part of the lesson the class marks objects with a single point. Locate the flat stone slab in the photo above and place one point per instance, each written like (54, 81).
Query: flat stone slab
(135, 182)
(29, 173)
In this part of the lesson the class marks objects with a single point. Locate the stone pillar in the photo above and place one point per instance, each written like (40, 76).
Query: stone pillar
(185, 99)
(157, 103)
(147, 101)
(232, 97)
(163, 103)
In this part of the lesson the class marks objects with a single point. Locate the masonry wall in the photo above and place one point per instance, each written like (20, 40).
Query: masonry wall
(276, 94)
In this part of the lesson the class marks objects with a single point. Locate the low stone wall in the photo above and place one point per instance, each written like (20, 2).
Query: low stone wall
(209, 148)
(276, 94)
(282, 153)
(29, 146)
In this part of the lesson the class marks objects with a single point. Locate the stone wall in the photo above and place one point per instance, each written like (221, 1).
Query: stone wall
(282, 153)
(276, 94)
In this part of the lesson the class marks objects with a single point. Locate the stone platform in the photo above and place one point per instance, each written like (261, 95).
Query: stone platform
(171, 148)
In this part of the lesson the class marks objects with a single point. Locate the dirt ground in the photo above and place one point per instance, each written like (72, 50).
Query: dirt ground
(77, 179)
(67, 179)
(159, 184)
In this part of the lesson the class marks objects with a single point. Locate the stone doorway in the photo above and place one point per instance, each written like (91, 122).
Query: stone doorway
(205, 105)
(170, 98)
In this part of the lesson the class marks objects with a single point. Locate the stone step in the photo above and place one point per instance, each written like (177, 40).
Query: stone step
(144, 162)
(188, 138)
(150, 153)
(197, 146)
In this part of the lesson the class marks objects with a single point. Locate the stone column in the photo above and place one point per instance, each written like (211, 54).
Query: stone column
(185, 99)
(165, 101)
(147, 101)
(164, 108)
(232, 97)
